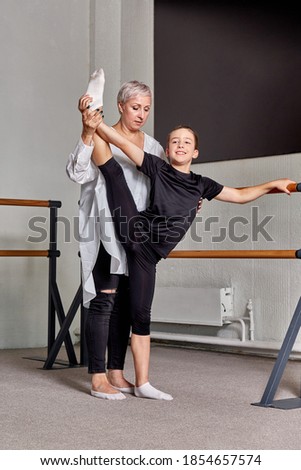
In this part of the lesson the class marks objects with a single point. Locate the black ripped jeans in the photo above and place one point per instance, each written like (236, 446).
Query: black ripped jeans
(108, 319)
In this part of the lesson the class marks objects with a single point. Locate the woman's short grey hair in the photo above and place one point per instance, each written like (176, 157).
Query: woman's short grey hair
(130, 89)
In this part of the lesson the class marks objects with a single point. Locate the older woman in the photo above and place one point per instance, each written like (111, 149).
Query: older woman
(103, 259)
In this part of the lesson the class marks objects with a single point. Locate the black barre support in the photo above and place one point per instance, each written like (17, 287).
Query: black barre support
(55, 306)
(267, 399)
(63, 335)
(54, 299)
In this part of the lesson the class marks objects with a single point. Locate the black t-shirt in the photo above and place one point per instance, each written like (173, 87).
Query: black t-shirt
(174, 197)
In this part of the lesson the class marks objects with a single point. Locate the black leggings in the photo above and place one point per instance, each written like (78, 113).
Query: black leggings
(108, 319)
(141, 257)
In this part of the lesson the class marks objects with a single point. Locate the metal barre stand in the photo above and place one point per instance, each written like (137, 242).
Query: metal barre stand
(267, 399)
(55, 305)
(292, 332)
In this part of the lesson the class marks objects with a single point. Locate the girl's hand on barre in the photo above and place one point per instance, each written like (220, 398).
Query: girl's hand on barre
(283, 185)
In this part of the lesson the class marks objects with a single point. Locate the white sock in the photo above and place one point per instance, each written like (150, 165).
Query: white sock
(108, 396)
(148, 391)
(96, 88)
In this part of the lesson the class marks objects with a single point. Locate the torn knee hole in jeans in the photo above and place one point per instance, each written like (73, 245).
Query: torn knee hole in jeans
(109, 291)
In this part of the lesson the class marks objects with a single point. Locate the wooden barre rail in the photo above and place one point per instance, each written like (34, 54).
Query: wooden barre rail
(29, 202)
(256, 254)
(42, 253)
(30, 253)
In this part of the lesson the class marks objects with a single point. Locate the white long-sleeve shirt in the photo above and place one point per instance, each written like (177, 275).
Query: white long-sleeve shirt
(95, 221)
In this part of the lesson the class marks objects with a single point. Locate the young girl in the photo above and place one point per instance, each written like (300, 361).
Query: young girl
(150, 235)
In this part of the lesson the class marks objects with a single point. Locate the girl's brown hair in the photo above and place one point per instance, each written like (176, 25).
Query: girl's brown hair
(196, 137)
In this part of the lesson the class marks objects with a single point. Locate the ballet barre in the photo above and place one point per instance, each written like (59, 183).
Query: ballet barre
(30, 253)
(55, 306)
(29, 202)
(239, 254)
(267, 400)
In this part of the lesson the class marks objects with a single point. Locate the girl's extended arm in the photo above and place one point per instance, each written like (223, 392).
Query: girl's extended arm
(250, 193)
(113, 137)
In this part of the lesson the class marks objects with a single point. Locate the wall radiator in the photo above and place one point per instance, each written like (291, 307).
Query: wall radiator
(198, 306)
(192, 305)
